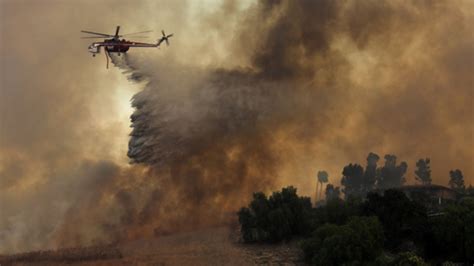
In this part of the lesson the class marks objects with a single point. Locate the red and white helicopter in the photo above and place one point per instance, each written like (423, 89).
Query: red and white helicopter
(116, 45)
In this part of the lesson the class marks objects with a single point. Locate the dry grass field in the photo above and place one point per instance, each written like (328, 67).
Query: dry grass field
(212, 246)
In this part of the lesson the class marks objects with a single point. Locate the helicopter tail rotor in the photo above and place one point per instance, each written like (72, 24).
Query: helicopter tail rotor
(165, 38)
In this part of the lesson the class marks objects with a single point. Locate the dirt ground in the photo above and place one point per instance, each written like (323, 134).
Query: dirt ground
(213, 246)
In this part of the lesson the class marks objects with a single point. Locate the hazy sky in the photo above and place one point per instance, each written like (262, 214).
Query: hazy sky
(382, 76)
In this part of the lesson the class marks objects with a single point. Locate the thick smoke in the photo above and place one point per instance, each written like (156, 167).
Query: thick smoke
(215, 136)
(250, 101)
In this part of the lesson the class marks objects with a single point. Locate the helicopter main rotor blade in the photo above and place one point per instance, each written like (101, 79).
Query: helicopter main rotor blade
(117, 31)
(97, 33)
(92, 37)
(137, 32)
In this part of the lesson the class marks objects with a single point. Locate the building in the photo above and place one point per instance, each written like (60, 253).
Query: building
(437, 193)
(434, 197)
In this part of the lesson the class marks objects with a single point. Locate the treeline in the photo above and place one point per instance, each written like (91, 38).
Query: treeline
(379, 229)
(358, 181)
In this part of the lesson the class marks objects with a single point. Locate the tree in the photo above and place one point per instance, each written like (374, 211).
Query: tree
(470, 191)
(352, 176)
(335, 211)
(332, 192)
(452, 234)
(401, 218)
(278, 217)
(370, 174)
(456, 180)
(423, 171)
(323, 177)
(358, 242)
(391, 175)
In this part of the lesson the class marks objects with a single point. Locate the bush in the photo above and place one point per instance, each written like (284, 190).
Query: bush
(402, 219)
(276, 218)
(408, 259)
(358, 242)
(353, 232)
(452, 234)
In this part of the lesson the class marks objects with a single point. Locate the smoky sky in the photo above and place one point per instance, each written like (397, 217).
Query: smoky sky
(248, 96)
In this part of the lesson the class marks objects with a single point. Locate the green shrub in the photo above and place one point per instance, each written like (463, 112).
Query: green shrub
(276, 218)
(358, 242)
(402, 218)
(408, 259)
(452, 234)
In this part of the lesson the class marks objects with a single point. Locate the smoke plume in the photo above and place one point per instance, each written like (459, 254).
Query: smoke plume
(221, 134)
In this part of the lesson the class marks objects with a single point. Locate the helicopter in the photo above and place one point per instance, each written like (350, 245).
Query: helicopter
(113, 43)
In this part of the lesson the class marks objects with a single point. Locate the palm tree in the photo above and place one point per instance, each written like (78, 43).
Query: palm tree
(322, 178)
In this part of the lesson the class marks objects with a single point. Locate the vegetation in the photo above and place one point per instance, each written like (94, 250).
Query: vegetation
(452, 234)
(279, 217)
(352, 180)
(370, 175)
(358, 182)
(322, 178)
(369, 227)
(355, 232)
(407, 259)
(423, 171)
(391, 175)
(332, 192)
(359, 241)
(403, 220)
(456, 180)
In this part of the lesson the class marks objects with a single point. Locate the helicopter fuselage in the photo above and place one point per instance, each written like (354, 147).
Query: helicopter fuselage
(117, 46)
(111, 46)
